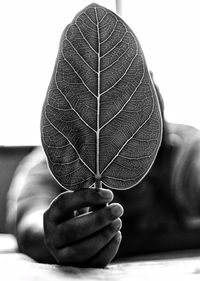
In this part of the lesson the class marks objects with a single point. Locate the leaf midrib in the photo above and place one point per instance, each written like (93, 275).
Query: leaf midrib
(98, 175)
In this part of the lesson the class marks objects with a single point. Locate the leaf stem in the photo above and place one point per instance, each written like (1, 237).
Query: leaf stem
(98, 183)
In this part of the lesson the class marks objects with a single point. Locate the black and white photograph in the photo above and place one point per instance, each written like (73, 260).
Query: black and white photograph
(100, 140)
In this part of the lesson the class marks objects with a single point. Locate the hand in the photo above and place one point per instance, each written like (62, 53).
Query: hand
(91, 239)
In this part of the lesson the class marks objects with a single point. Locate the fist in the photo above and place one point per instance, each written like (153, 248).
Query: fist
(90, 239)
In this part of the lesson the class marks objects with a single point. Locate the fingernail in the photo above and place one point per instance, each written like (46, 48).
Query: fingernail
(116, 210)
(117, 224)
(118, 236)
(106, 193)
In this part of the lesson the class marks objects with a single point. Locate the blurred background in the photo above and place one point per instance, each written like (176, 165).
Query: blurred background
(169, 33)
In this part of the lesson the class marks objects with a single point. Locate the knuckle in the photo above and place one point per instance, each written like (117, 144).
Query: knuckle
(60, 259)
(117, 238)
(58, 201)
(89, 195)
(114, 211)
(94, 193)
(111, 230)
(48, 216)
(108, 232)
(46, 219)
(116, 224)
(64, 232)
(80, 256)
(100, 217)
(61, 199)
(68, 255)
(63, 257)
(48, 242)
(70, 232)
(60, 231)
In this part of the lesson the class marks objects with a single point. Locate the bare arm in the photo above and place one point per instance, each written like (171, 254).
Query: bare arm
(90, 239)
(30, 194)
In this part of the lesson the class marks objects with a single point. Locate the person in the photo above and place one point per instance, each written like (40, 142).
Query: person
(161, 213)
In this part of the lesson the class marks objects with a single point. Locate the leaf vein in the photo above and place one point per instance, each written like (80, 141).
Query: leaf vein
(115, 60)
(78, 76)
(81, 56)
(89, 19)
(120, 179)
(104, 15)
(115, 45)
(85, 38)
(74, 109)
(83, 181)
(135, 158)
(70, 144)
(129, 139)
(121, 76)
(64, 163)
(124, 104)
(111, 32)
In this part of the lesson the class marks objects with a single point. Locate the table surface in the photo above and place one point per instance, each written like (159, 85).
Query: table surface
(18, 267)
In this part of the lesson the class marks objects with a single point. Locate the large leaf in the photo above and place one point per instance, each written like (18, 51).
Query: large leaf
(101, 121)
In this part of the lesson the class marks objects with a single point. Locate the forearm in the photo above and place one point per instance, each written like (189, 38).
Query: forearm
(32, 190)
(30, 236)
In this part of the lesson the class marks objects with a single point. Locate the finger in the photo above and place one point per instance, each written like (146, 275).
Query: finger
(85, 225)
(84, 250)
(92, 208)
(98, 207)
(65, 204)
(107, 254)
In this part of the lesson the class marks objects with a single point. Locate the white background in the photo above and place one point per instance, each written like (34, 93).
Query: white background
(30, 30)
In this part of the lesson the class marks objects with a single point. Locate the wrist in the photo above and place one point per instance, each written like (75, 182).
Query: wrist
(30, 237)
(31, 220)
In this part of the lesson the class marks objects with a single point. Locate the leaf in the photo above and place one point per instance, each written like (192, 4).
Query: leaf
(101, 120)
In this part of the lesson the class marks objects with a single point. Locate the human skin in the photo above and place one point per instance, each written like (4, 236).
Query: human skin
(90, 239)
(160, 213)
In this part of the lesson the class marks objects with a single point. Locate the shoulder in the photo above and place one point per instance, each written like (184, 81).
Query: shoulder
(185, 141)
(183, 135)
(183, 131)
(186, 168)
